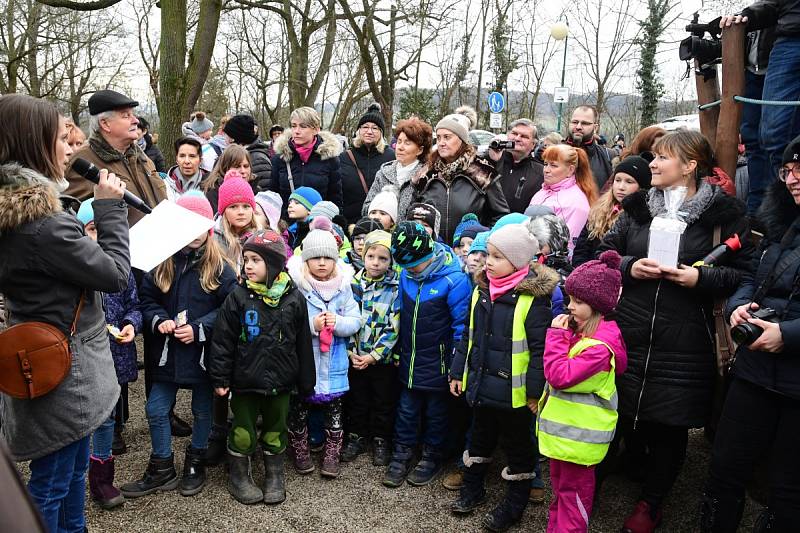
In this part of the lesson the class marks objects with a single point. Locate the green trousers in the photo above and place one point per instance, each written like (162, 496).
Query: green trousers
(246, 408)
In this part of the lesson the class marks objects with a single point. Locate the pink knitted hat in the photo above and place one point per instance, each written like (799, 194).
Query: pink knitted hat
(196, 203)
(597, 282)
(235, 191)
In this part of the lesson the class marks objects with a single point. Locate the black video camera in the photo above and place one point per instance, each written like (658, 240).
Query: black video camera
(747, 333)
(502, 145)
(696, 46)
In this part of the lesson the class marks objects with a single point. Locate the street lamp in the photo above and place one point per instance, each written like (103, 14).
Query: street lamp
(559, 31)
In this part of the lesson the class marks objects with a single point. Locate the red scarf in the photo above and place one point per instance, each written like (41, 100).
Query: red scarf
(500, 286)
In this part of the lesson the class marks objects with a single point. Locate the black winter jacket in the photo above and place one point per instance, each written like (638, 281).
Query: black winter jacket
(520, 181)
(585, 248)
(154, 153)
(261, 349)
(668, 328)
(600, 161)
(369, 160)
(778, 372)
(260, 164)
(321, 172)
(489, 375)
(184, 363)
(784, 14)
(473, 190)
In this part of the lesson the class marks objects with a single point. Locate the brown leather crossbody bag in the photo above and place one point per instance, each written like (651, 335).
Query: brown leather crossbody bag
(35, 357)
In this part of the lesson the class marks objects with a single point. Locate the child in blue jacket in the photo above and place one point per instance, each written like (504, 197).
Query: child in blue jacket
(434, 294)
(333, 316)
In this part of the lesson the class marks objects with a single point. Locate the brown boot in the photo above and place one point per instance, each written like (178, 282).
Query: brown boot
(333, 446)
(298, 442)
(454, 480)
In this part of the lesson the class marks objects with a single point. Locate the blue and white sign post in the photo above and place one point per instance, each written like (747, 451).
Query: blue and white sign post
(497, 103)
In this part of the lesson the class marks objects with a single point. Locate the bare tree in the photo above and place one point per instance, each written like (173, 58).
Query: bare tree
(603, 32)
(380, 44)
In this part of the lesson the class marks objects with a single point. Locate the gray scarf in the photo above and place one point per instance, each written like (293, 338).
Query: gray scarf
(690, 210)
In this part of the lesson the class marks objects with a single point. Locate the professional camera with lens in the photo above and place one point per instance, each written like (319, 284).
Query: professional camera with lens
(746, 333)
(706, 51)
(501, 145)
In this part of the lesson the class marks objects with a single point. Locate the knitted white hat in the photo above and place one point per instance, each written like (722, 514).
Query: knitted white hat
(386, 201)
(319, 243)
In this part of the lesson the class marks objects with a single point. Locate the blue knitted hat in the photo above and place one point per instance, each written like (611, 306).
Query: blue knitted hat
(511, 218)
(306, 196)
(86, 212)
(479, 244)
(467, 221)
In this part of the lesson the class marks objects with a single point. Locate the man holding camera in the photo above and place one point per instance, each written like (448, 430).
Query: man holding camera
(521, 176)
(583, 131)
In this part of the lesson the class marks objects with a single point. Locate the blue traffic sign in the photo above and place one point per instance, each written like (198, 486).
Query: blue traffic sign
(497, 102)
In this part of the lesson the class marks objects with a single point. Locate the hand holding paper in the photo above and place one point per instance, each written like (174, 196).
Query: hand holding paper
(646, 269)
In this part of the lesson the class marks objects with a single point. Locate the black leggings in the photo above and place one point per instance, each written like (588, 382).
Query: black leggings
(666, 452)
(758, 423)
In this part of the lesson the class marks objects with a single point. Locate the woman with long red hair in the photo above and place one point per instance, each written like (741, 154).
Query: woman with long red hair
(569, 188)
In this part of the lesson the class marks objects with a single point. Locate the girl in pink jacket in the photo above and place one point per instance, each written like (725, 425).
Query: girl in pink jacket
(569, 188)
(578, 410)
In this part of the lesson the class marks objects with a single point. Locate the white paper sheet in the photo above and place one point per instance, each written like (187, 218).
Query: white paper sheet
(163, 232)
(664, 246)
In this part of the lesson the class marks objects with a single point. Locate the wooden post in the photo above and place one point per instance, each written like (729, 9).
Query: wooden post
(707, 92)
(730, 112)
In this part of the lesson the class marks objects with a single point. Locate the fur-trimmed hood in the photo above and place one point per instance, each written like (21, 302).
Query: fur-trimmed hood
(295, 268)
(540, 281)
(327, 146)
(25, 196)
(778, 211)
(723, 209)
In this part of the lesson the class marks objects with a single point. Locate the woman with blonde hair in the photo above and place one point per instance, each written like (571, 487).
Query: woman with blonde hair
(569, 188)
(631, 176)
(307, 156)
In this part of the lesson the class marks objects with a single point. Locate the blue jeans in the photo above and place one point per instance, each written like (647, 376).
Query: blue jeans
(428, 406)
(58, 486)
(162, 397)
(102, 438)
(758, 168)
(780, 124)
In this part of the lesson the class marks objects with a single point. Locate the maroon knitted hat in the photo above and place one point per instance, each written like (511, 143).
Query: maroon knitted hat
(597, 282)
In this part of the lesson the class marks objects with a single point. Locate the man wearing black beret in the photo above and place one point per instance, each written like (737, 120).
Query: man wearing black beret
(112, 145)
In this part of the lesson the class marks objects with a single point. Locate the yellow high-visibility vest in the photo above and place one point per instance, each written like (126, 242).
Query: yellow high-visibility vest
(520, 355)
(577, 424)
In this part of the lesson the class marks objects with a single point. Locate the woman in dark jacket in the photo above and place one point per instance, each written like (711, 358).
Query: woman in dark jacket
(762, 409)
(47, 266)
(311, 155)
(151, 150)
(458, 181)
(369, 152)
(665, 314)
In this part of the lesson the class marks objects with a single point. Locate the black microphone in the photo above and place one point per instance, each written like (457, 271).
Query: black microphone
(91, 173)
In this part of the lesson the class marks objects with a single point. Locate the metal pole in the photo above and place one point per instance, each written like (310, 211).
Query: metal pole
(563, 72)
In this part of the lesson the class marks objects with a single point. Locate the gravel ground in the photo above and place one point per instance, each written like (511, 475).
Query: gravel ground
(357, 501)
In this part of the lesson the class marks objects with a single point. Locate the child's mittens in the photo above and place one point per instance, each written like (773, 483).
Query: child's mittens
(326, 339)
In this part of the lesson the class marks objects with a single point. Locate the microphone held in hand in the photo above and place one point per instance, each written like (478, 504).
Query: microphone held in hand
(91, 173)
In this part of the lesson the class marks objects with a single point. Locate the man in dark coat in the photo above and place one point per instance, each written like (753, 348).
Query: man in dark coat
(584, 127)
(521, 176)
